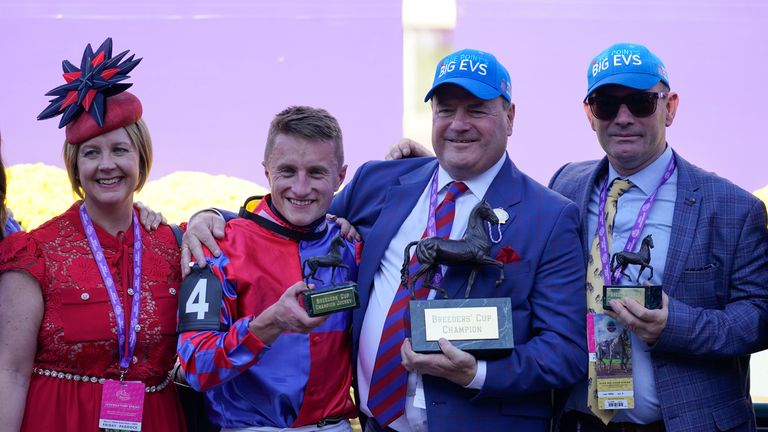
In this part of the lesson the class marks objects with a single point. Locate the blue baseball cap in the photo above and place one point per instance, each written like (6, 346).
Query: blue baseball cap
(476, 71)
(629, 65)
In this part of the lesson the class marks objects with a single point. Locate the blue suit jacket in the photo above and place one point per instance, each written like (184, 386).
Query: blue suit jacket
(717, 280)
(546, 288)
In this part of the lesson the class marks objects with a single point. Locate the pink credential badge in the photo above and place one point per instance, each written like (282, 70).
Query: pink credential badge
(122, 405)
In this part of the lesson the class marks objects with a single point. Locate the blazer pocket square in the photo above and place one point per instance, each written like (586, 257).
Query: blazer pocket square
(508, 255)
(709, 266)
(358, 252)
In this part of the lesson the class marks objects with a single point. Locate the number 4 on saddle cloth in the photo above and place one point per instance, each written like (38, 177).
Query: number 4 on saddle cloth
(200, 301)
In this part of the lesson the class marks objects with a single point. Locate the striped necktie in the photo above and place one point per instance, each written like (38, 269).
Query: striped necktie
(595, 284)
(386, 397)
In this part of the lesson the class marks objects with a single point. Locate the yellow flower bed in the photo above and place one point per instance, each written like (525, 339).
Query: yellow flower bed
(180, 194)
(38, 192)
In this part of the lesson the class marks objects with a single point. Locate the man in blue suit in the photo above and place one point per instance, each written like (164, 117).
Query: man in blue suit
(691, 357)
(392, 202)
(389, 204)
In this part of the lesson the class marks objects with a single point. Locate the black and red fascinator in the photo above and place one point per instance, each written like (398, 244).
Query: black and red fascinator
(97, 88)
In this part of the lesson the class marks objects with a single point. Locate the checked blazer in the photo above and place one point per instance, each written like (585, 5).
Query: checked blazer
(545, 286)
(717, 280)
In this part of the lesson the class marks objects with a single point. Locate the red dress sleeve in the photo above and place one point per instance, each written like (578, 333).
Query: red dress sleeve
(19, 251)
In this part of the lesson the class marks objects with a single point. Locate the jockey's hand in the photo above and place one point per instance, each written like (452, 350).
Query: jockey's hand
(647, 324)
(203, 229)
(149, 218)
(285, 315)
(452, 364)
(406, 148)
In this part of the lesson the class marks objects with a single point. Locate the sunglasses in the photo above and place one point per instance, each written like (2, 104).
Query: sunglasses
(605, 107)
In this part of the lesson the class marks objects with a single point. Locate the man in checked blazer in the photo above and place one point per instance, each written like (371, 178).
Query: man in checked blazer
(691, 357)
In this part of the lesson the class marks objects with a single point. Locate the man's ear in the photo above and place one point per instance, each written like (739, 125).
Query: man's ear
(672, 101)
(342, 176)
(266, 172)
(511, 118)
(590, 118)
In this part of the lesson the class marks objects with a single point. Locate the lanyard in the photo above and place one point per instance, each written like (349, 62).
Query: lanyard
(431, 224)
(431, 230)
(125, 349)
(637, 228)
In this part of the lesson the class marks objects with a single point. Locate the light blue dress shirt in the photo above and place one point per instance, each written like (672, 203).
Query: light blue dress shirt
(659, 224)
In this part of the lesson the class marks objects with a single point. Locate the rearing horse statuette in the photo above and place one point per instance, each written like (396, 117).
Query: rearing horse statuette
(431, 252)
(332, 260)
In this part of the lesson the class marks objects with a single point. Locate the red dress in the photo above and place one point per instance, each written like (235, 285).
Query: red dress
(77, 343)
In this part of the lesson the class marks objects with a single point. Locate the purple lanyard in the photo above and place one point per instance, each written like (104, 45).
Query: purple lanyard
(126, 350)
(431, 224)
(637, 228)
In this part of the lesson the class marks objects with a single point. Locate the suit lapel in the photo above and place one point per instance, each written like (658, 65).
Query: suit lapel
(505, 192)
(687, 205)
(398, 204)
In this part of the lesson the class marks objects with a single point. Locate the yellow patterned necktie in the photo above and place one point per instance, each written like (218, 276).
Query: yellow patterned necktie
(595, 284)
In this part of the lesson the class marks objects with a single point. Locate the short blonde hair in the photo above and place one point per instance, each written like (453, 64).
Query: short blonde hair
(141, 140)
(312, 124)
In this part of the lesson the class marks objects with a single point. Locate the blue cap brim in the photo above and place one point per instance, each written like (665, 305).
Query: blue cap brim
(637, 81)
(480, 90)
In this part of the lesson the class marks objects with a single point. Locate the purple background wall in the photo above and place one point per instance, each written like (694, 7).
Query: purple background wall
(714, 50)
(214, 73)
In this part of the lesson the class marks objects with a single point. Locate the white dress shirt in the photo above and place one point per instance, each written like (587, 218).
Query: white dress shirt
(387, 280)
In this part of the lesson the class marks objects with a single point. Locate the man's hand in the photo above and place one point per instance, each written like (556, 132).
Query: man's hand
(149, 218)
(647, 324)
(453, 364)
(346, 229)
(203, 229)
(406, 148)
(286, 315)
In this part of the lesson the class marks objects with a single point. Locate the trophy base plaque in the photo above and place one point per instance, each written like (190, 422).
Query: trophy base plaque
(339, 298)
(648, 296)
(480, 326)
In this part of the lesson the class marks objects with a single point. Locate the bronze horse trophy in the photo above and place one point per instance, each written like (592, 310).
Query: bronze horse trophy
(338, 297)
(431, 252)
(332, 260)
(641, 258)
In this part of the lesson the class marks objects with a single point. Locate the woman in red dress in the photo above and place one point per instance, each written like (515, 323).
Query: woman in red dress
(88, 300)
